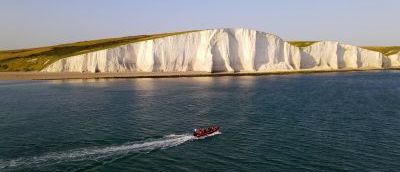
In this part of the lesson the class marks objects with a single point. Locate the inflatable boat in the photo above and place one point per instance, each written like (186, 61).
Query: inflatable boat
(201, 132)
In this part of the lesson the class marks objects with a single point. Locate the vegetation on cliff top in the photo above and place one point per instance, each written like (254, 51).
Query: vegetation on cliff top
(302, 44)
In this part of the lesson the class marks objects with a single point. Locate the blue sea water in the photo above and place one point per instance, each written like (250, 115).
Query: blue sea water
(301, 122)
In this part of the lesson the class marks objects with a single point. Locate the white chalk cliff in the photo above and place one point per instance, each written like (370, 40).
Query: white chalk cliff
(333, 55)
(393, 60)
(221, 50)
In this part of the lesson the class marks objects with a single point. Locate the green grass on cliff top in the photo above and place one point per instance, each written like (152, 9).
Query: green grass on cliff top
(302, 44)
(35, 59)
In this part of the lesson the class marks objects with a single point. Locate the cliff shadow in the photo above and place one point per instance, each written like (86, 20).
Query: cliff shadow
(386, 62)
(359, 60)
(234, 58)
(261, 51)
(218, 62)
(130, 58)
(307, 61)
(157, 63)
(341, 62)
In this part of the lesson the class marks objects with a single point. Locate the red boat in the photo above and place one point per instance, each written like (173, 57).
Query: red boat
(200, 132)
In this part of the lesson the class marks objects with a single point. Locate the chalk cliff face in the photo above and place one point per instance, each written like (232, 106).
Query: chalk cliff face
(393, 60)
(220, 50)
(333, 55)
(209, 50)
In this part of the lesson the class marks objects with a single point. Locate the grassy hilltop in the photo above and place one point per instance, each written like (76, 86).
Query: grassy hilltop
(302, 44)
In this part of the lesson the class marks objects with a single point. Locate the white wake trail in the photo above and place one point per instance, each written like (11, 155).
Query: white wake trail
(97, 152)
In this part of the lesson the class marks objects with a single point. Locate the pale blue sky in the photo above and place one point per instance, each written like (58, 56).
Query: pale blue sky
(32, 23)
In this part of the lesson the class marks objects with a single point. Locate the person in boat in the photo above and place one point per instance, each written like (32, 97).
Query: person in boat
(198, 131)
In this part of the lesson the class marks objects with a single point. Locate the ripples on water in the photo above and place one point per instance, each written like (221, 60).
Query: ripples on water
(318, 122)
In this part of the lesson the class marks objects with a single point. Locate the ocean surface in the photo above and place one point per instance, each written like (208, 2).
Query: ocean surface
(300, 122)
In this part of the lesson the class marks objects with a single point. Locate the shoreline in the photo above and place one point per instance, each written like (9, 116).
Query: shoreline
(122, 75)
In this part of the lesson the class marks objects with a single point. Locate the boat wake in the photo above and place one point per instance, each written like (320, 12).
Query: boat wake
(97, 153)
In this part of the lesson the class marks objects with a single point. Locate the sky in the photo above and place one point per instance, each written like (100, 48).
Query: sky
(34, 23)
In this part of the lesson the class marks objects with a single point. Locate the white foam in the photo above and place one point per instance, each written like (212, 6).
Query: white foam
(98, 152)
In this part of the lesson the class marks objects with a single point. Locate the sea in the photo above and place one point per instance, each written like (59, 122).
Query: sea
(345, 121)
